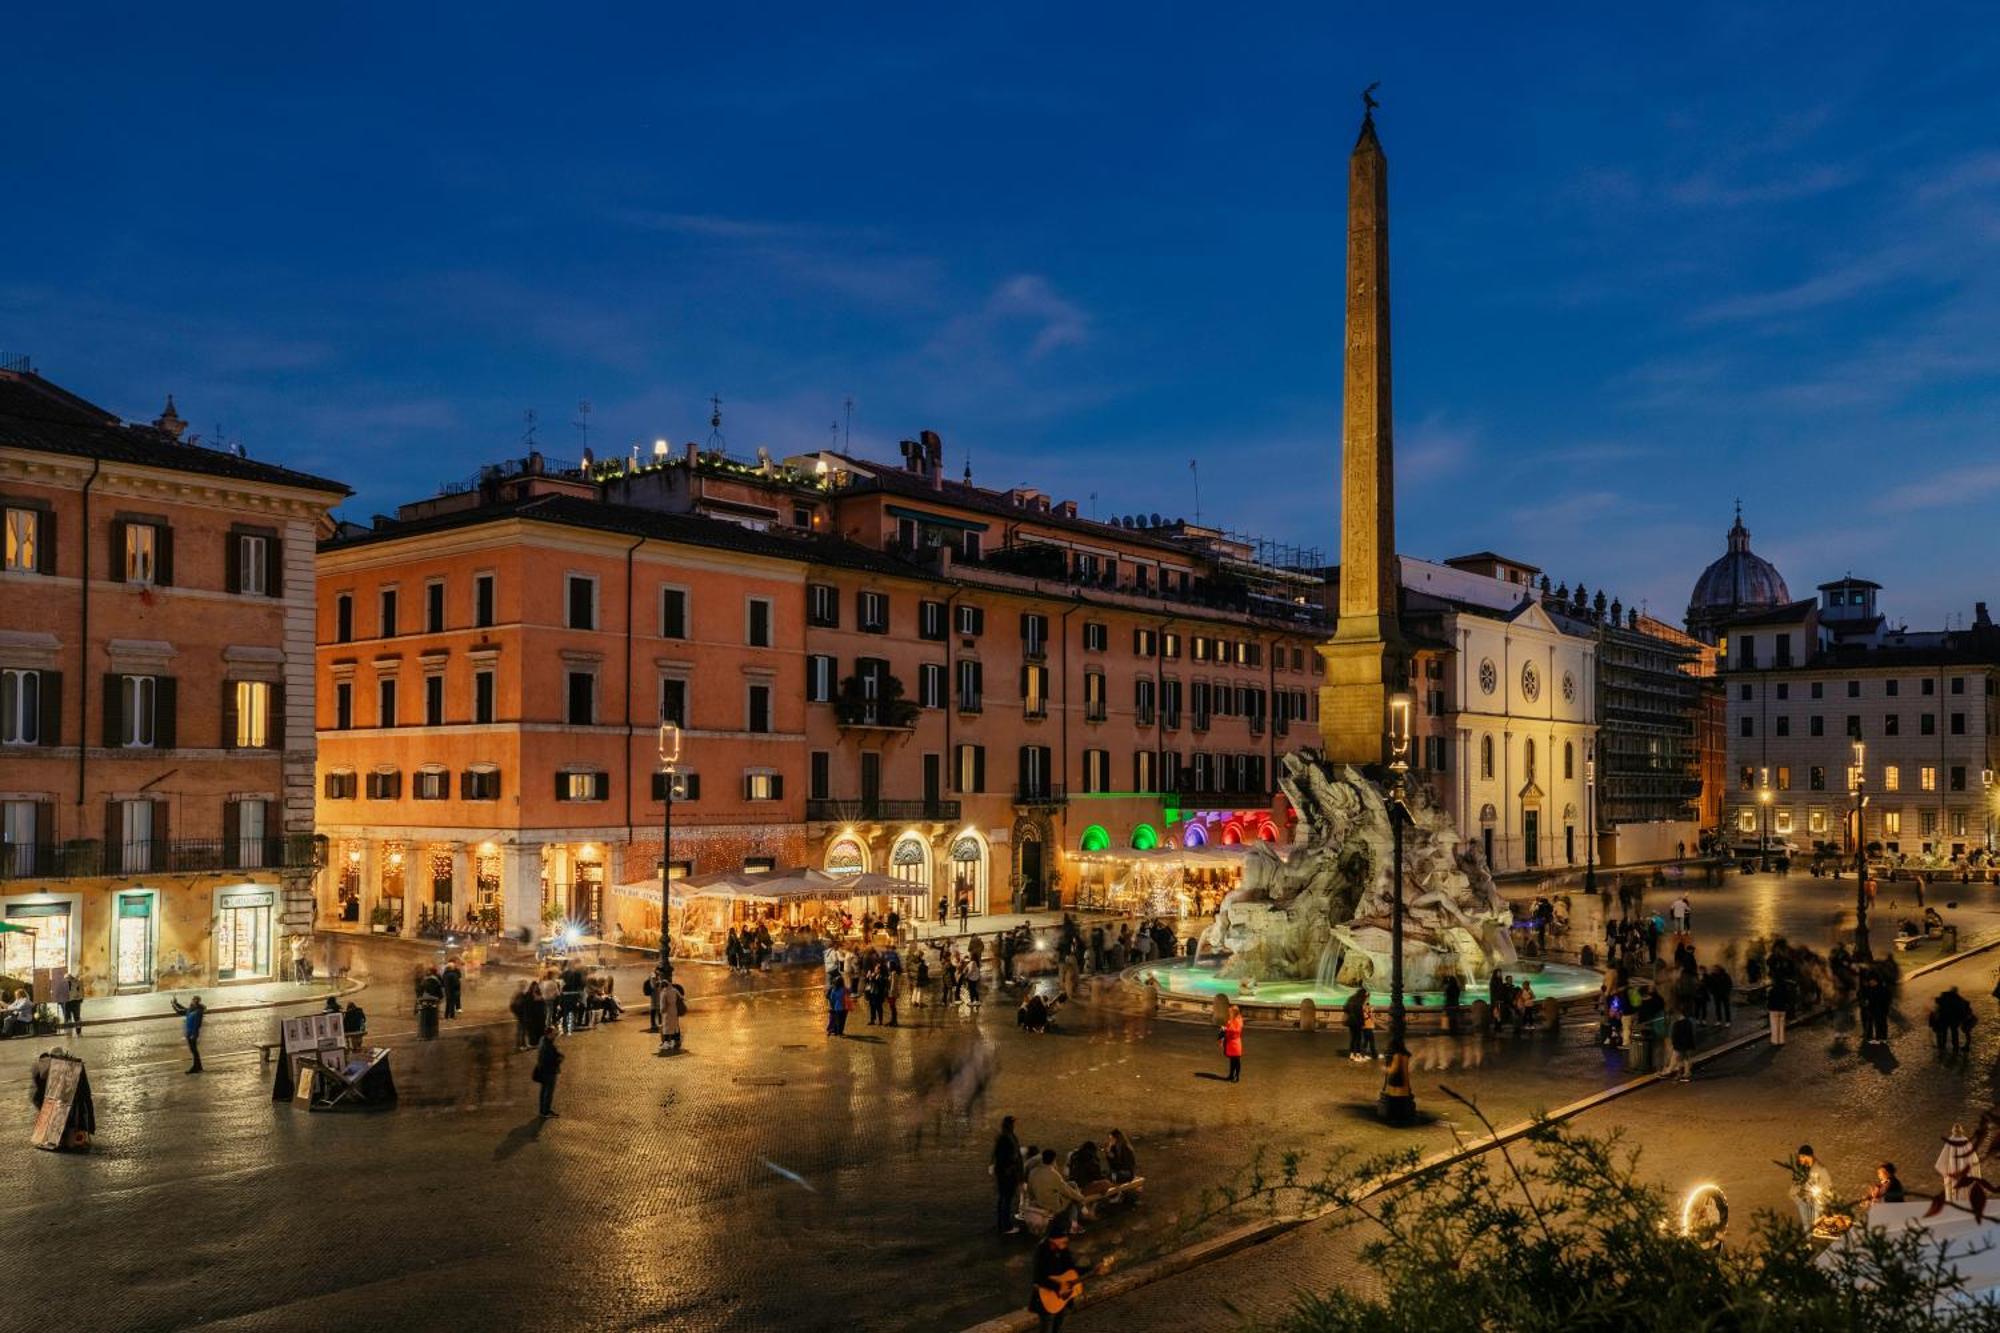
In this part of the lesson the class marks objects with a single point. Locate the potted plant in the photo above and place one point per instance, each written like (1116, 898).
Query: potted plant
(379, 920)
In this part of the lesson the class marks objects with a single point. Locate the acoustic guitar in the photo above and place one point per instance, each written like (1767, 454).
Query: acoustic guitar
(1069, 1286)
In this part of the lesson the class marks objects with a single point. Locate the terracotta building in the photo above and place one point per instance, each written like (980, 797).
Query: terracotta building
(876, 669)
(156, 728)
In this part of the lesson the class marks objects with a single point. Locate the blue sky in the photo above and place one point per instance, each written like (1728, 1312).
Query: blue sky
(1646, 260)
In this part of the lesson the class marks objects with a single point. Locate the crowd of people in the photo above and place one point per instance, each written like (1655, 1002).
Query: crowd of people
(562, 1001)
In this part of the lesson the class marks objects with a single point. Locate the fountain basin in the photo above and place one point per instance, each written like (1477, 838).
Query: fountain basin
(1187, 989)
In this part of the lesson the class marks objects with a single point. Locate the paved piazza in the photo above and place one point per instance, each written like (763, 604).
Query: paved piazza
(772, 1175)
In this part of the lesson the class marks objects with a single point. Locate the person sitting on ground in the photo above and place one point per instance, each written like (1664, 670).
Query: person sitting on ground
(1120, 1161)
(1033, 1013)
(20, 1016)
(1086, 1170)
(1888, 1187)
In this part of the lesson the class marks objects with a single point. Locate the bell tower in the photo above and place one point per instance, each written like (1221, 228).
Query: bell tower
(1365, 658)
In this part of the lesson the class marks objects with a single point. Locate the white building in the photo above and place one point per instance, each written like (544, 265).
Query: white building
(1809, 680)
(1505, 687)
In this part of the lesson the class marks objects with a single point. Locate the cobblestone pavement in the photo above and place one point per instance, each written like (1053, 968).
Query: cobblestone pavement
(768, 1175)
(1744, 1114)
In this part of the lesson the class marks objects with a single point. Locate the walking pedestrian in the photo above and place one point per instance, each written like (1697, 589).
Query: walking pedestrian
(673, 1007)
(1232, 1043)
(193, 1014)
(836, 1006)
(964, 912)
(454, 988)
(1007, 1172)
(1720, 988)
(1778, 999)
(60, 992)
(1354, 1012)
(1680, 1043)
(548, 1066)
(894, 992)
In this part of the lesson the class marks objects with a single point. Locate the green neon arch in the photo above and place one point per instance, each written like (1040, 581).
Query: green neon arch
(1145, 838)
(1095, 839)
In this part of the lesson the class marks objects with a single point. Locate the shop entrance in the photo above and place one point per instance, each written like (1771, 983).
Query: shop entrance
(21, 953)
(1031, 872)
(132, 942)
(243, 936)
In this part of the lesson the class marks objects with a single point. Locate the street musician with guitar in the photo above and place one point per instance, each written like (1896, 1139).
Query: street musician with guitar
(1058, 1278)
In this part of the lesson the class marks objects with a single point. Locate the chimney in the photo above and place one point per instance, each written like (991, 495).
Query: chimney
(692, 452)
(933, 457)
(1979, 616)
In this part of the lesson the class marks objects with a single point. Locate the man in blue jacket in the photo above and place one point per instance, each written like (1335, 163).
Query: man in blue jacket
(192, 1013)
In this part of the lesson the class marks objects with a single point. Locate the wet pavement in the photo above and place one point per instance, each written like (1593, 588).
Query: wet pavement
(771, 1176)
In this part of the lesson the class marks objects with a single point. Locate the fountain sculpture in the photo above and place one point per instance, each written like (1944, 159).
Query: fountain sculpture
(1320, 912)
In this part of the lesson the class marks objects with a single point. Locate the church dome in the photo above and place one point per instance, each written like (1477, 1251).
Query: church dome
(1740, 581)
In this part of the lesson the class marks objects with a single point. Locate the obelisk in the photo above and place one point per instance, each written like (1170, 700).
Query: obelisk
(1364, 659)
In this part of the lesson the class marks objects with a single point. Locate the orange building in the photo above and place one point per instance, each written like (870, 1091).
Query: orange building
(989, 682)
(156, 738)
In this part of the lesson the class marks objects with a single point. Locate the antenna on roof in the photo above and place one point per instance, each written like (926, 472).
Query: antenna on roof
(715, 439)
(835, 441)
(1093, 506)
(968, 465)
(528, 427)
(582, 424)
(847, 430)
(1192, 467)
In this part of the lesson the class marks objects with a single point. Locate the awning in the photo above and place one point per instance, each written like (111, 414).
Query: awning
(936, 520)
(787, 886)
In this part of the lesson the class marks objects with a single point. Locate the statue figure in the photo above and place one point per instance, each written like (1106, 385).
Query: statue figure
(1321, 911)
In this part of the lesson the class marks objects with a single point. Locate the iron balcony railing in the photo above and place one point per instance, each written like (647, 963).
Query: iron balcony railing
(84, 858)
(861, 808)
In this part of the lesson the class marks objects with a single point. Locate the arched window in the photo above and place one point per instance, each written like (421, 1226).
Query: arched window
(1569, 760)
(1194, 836)
(1145, 838)
(1095, 839)
(1528, 759)
(1485, 756)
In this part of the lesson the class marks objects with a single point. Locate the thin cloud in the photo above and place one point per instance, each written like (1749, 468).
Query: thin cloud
(1710, 191)
(1954, 486)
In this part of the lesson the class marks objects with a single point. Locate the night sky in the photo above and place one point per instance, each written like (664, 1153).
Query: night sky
(1646, 260)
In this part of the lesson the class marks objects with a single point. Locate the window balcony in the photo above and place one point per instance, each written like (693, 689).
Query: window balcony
(87, 857)
(1040, 795)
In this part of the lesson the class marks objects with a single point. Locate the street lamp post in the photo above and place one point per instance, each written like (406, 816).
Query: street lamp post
(1764, 795)
(670, 758)
(1399, 1099)
(1861, 948)
(1590, 822)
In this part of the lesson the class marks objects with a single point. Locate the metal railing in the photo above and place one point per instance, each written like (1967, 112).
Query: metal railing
(84, 858)
(1040, 794)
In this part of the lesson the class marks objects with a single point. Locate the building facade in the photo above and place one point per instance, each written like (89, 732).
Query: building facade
(874, 670)
(156, 697)
(1831, 716)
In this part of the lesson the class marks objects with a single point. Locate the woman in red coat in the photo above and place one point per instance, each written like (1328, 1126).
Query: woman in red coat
(1232, 1043)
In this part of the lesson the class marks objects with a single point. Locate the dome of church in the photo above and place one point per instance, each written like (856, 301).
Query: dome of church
(1740, 581)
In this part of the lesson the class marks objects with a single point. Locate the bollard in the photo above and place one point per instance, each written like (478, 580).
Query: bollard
(1152, 994)
(1308, 1015)
(1482, 1014)
(1551, 1018)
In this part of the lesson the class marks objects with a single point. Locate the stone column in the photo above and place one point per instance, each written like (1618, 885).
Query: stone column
(371, 878)
(521, 887)
(412, 894)
(462, 887)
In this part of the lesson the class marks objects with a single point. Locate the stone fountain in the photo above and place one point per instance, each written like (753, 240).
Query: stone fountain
(1319, 912)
